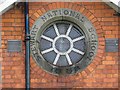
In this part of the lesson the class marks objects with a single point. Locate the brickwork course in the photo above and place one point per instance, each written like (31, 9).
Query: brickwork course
(101, 73)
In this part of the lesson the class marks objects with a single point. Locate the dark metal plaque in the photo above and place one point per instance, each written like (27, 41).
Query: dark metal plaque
(14, 46)
(111, 45)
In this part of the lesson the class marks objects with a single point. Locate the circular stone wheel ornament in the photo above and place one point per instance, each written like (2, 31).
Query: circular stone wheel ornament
(63, 41)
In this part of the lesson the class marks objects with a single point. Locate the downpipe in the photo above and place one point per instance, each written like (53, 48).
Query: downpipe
(27, 46)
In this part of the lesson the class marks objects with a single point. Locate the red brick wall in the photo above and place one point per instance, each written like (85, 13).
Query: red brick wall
(102, 72)
(13, 71)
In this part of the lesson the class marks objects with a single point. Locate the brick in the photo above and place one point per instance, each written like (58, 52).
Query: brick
(99, 75)
(90, 68)
(6, 68)
(87, 71)
(110, 67)
(8, 76)
(108, 32)
(16, 33)
(50, 6)
(1, 59)
(44, 81)
(8, 80)
(109, 58)
(58, 5)
(54, 5)
(8, 15)
(17, 11)
(108, 19)
(36, 15)
(96, 23)
(66, 4)
(18, 85)
(89, 14)
(21, 16)
(115, 75)
(8, 28)
(31, 12)
(108, 14)
(115, 23)
(7, 33)
(7, 24)
(18, 20)
(99, 19)
(84, 74)
(88, 3)
(79, 75)
(101, 47)
(101, 67)
(99, 6)
(62, 5)
(3, 46)
(85, 12)
(109, 75)
(74, 7)
(115, 32)
(108, 10)
(82, 9)
(99, 71)
(10, 37)
(43, 10)
(110, 36)
(89, 80)
(107, 23)
(6, 85)
(109, 71)
(7, 20)
(99, 10)
(99, 14)
(110, 80)
(70, 5)
(33, 17)
(91, 17)
(109, 62)
(18, 24)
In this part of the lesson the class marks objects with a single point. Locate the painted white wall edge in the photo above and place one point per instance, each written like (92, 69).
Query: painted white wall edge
(4, 4)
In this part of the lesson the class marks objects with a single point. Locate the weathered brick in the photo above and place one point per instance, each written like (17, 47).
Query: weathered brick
(110, 80)
(36, 15)
(8, 28)
(8, 20)
(109, 62)
(108, 19)
(109, 58)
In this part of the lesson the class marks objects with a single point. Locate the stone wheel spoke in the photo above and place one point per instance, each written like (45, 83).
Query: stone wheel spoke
(78, 51)
(47, 38)
(56, 59)
(69, 29)
(56, 29)
(79, 38)
(47, 50)
(68, 59)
